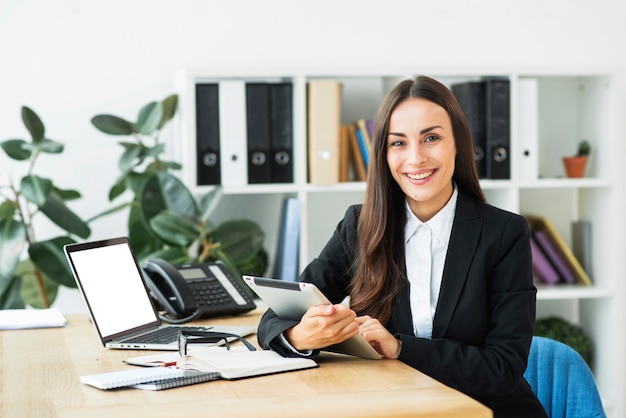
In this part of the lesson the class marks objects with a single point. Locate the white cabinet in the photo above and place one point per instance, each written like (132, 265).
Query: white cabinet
(570, 107)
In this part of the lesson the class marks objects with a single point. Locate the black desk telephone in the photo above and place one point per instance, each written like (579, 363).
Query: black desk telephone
(192, 291)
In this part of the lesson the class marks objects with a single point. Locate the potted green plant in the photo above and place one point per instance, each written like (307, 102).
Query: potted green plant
(165, 218)
(575, 165)
(32, 270)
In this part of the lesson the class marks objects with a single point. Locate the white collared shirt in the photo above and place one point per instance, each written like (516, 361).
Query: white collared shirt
(426, 246)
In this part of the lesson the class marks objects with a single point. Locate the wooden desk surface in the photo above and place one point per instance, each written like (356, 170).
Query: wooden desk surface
(40, 372)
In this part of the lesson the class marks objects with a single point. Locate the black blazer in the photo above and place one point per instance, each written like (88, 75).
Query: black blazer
(484, 321)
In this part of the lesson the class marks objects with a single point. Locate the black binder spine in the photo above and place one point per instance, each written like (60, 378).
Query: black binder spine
(471, 98)
(281, 143)
(207, 134)
(498, 129)
(258, 132)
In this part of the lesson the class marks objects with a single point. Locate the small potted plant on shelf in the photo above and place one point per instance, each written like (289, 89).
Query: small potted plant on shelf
(575, 165)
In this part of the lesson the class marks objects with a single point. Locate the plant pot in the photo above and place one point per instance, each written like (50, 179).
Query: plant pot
(575, 166)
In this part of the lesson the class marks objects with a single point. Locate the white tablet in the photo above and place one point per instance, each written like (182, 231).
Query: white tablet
(290, 300)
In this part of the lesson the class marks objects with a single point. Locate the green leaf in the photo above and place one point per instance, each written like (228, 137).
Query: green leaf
(49, 257)
(36, 189)
(149, 118)
(33, 124)
(50, 146)
(45, 145)
(163, 166)
(240, 239)
(11, 298)
(12, 245)
(128, 159)
(174, 228)
(113, 125)
(15, 148)
(169, 109)
(155, 150)
(142, 239)
(135, 181)
(164, 191)
(118, 188)
(30, 292)
(175, 255)
(68, 194)
(56, 210)
(110, 211)
(209, 202)
(7, 209)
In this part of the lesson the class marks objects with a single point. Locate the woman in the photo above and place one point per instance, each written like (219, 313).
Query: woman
(437, 278)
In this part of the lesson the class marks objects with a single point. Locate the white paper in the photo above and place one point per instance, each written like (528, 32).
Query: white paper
(31, 318)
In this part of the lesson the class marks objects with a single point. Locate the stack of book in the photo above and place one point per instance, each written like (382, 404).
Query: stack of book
(553, 260)
(354, 154)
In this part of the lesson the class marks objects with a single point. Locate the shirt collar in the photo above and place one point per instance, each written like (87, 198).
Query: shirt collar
(440, 224)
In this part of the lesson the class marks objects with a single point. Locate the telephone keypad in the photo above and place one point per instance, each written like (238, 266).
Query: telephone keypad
(209, 292)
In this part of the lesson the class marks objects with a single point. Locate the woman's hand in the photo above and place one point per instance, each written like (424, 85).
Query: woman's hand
(321, 326)
(377, 335)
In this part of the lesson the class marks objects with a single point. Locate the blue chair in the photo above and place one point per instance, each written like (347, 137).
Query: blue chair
(562, 380)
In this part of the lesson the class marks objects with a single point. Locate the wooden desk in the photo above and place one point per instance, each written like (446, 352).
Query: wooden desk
(40, 372)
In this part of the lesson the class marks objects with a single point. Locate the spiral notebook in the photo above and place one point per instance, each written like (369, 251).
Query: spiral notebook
(190, 377)
(151, 378)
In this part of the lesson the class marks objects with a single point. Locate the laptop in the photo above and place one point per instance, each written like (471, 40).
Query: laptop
(120, 307)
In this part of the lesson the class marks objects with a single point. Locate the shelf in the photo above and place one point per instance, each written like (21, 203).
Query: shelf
(567, 291)
(564, 183)
(571, 104)
(350, 186)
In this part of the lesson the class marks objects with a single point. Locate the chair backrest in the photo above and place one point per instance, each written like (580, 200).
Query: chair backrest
(562, 380)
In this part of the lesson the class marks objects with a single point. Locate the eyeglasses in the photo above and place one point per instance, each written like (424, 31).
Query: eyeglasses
(193, 337)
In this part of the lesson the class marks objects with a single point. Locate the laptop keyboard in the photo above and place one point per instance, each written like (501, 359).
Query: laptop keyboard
(163, 335)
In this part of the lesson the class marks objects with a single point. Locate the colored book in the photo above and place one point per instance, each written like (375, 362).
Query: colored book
(344, 154)
(286, 265)
(370, 128)
(498, 127)
(367, 138)
(553, 256)
(542, 269)
(542, 223)
(582, 243)
(323, 128)
(258, 132)
(471, 98)
(208, 156)
(233, 133)
(528, 128)
(356, 156)
(281, 144)
(363, 147)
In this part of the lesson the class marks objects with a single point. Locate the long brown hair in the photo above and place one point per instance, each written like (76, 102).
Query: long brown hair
(378, 276)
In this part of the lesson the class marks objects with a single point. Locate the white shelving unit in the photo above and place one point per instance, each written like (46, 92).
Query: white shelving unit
(572, 106)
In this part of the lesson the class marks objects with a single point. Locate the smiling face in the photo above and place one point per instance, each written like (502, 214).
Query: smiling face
(421, 154)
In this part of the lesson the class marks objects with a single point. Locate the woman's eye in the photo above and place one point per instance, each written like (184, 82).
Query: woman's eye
(431, 138)
(395, 143)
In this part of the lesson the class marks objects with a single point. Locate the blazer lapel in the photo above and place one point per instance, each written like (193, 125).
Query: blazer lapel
(466, 230)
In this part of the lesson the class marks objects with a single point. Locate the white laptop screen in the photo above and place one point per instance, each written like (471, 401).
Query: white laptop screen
(113, 288)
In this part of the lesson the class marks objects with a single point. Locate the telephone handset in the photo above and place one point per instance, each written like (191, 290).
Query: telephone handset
(191, 291)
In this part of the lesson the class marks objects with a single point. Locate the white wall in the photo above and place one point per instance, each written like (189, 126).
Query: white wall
(72, 59)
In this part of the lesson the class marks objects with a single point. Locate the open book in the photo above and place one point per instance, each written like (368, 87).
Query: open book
(239, 362)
